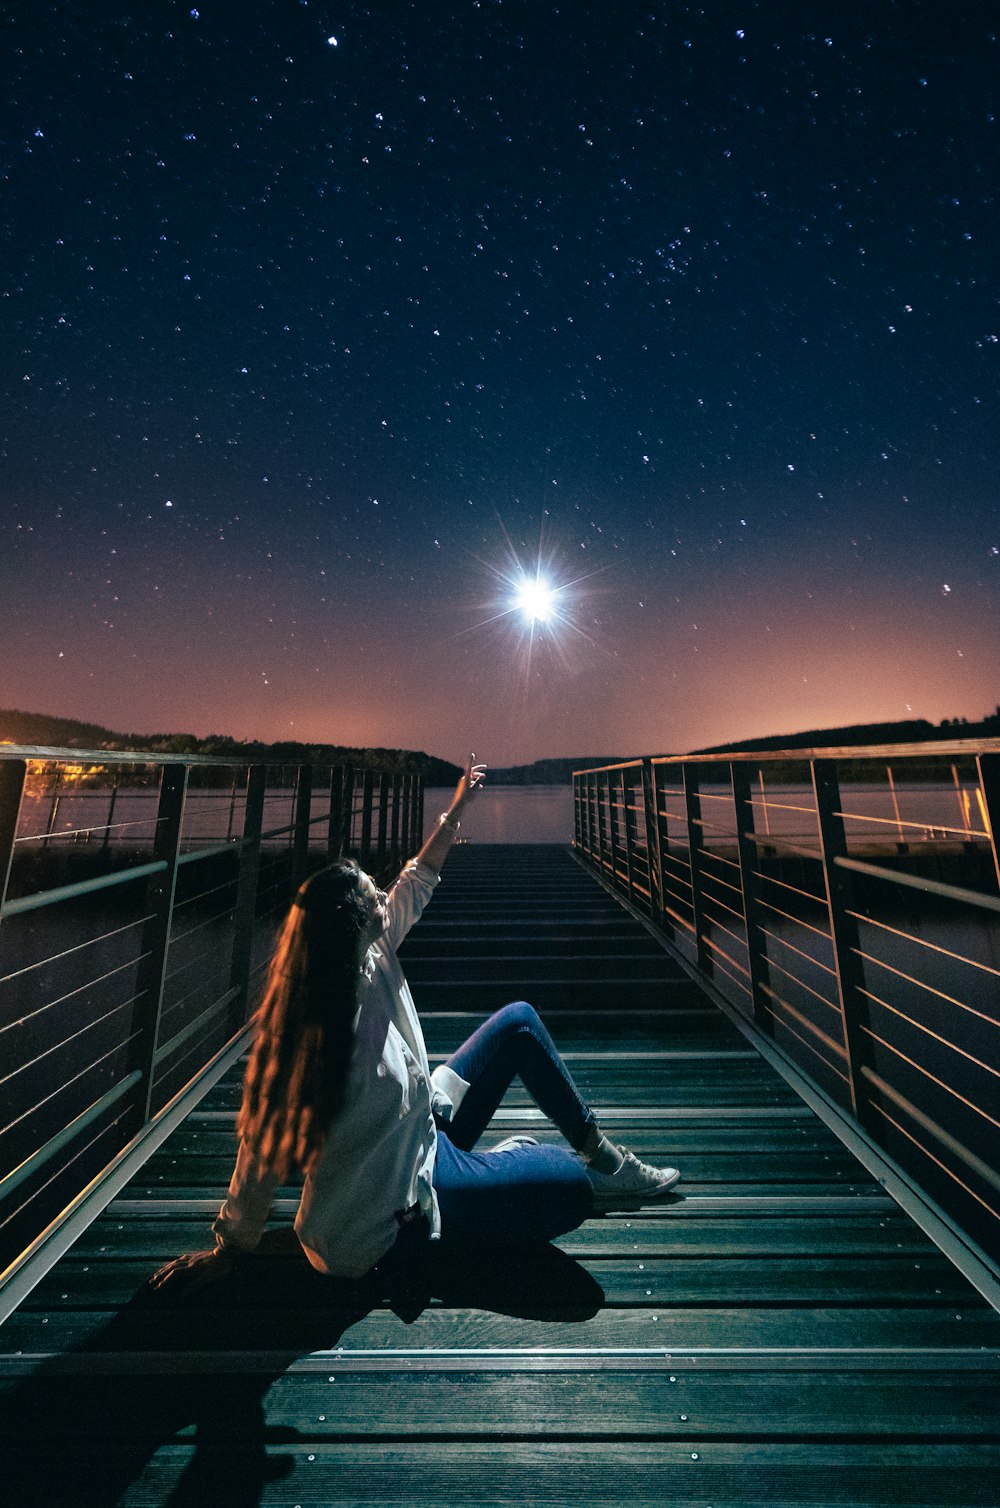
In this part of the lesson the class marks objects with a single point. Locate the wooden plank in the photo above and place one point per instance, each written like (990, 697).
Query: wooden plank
(335, 1321)
(502, 1402)
(645, 1281)
(528, 972)
(690, 1137)
(154, 1240)
(771, 1169)
(906, 1361)
(422, 948)
(708, 1090)
(677, 1035)
(685, 1474)
(578, 994)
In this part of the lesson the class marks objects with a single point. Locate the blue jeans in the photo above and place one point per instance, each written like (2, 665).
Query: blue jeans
(528, 1193)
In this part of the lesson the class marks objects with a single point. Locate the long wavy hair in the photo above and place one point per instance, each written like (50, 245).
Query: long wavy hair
(296, 1076)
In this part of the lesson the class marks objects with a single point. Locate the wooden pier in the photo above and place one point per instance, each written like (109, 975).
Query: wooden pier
(780, 1332)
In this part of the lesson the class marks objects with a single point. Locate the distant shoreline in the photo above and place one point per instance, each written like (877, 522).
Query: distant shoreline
(44, 730)
(38, 728)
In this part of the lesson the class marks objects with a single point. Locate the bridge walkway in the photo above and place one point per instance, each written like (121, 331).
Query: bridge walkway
(778, 1332)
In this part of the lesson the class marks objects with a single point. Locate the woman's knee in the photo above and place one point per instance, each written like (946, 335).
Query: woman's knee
(518, 1016)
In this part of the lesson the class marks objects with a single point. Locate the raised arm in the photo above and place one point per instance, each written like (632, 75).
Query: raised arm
(435, 850)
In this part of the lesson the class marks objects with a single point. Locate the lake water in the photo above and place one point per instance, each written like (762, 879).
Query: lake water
(499, 814)
(509, 813)
(506, 813)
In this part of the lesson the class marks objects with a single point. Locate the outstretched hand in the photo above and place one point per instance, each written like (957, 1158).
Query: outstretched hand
(435, 850)
(470, 782)
(187, 1273)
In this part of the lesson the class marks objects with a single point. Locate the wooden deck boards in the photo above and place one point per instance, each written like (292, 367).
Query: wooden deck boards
(779, 1332)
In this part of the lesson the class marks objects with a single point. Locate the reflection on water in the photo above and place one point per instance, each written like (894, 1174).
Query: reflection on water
(509, 813)
(98, 818)
(499, 814)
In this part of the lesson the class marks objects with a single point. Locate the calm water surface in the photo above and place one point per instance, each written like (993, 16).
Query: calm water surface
(505, 814)
(509, 813)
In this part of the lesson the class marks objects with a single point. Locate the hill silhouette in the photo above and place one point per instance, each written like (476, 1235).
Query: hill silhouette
(910, 731)
(38, 728)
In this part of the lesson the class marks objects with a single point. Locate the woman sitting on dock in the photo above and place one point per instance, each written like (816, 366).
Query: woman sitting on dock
(338, 1087)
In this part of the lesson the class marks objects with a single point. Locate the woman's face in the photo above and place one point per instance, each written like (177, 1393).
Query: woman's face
(379, 910)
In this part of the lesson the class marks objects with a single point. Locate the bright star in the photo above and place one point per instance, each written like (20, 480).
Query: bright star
(533, 616)
(537, 607)
(536, 599)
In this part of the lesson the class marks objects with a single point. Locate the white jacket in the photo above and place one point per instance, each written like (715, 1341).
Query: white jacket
(378, 1160)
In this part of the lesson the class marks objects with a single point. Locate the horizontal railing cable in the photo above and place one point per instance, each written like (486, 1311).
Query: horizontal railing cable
(923, 942)
(49, 1005)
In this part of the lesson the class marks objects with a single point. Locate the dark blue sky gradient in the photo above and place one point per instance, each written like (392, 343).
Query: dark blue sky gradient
(300, 340)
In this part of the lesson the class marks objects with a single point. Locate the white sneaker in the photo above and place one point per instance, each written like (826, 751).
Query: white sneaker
(512, 1143)
(634, 1183)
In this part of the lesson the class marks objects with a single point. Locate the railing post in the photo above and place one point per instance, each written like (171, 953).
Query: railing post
(419, 836)
(416, 798)
(600, 839)
(843, 930)
(651, 817)
(347, 810)
(383, 822)
(156, 934)
(54, 808)
(300, 848)
(111, 812)
(397, 791)
(605, 827)
(588, 821)
(246, 892)
(586, 835)
(612, 830)
(593, 826)
(988, 767)
(406, 815)
(367, 789)
(232, 808)
(746, 842)
(598, 810)
(628, 830)
(335, 823)
(696, 842)
(13, 773)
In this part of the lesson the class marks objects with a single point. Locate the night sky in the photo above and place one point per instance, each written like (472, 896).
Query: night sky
(323, 322)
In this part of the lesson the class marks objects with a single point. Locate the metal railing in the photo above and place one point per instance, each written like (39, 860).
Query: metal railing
(845, 902)
(140, 896)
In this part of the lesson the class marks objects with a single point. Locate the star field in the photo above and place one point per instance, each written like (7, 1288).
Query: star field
(313, 313)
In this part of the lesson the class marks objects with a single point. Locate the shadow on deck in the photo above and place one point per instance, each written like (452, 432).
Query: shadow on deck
(778, 1332)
